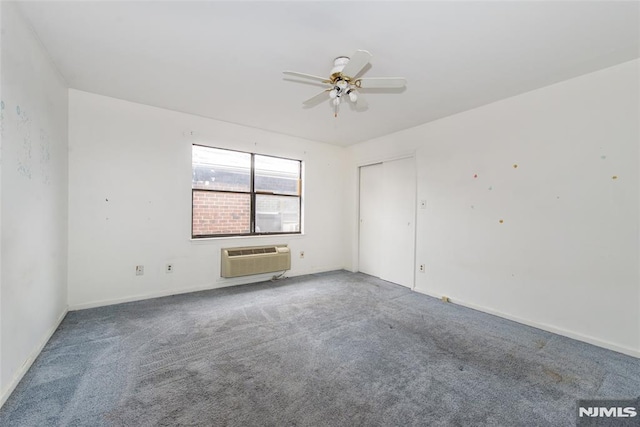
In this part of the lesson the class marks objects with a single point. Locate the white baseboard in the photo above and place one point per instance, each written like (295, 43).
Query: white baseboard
(17, 377)
(167, 292)
(545, 327)
(218, 284)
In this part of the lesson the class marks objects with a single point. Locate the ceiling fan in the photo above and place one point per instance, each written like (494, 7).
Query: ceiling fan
(344, 83)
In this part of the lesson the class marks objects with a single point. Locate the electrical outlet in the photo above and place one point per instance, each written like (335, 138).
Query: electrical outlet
(422, 268)
(301, 254)
(139, 270)
(169, 268)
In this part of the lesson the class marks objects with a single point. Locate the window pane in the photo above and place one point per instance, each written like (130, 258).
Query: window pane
(277, 213)
(277, 175)
(220, 213)
(215, 169)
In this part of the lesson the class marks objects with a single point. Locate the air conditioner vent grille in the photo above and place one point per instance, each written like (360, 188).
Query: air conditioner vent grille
(252, 251)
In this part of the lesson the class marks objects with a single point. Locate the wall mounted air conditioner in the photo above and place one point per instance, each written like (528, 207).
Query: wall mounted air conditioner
(254, 260)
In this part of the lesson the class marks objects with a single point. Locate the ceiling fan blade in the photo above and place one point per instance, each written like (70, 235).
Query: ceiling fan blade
(317, 99)
(381, 82)
(306, 76)
(356, 63)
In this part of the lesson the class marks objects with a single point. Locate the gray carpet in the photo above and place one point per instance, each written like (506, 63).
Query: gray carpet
(333, 349)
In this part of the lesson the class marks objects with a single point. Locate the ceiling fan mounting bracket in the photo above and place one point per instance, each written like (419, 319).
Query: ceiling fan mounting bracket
(338, 65)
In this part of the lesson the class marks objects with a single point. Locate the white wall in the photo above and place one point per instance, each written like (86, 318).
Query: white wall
(130, 201)
(34, 199)
(566, 256)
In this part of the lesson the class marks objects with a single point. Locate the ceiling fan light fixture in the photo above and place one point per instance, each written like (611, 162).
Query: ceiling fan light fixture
(333, 93)
(353, 96)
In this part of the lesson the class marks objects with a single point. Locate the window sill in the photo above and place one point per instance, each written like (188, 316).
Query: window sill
(205, 240)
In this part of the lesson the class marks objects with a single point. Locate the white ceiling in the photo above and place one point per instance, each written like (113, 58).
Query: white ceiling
(224, 60)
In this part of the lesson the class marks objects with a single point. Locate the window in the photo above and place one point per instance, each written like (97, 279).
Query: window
(243, 194)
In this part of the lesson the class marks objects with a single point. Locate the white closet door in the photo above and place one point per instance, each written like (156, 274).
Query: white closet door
(387, 221)
(371, 220)
(399, 189)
